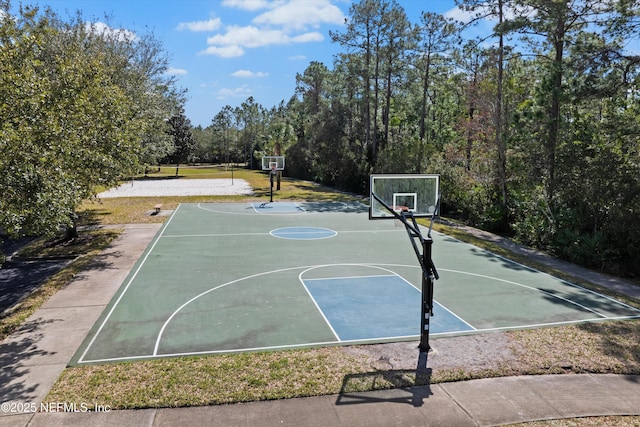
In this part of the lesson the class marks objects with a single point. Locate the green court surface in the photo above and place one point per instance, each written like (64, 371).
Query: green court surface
(222, 278)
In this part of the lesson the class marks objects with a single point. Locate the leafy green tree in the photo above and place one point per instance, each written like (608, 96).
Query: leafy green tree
(184, 144)
(204, 151)
(69, 131)
(251, 117)
(397, 41)
(436, 38)
(362, 38)
(70, 117)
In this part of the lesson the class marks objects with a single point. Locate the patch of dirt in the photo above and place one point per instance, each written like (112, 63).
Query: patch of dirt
(469, 352)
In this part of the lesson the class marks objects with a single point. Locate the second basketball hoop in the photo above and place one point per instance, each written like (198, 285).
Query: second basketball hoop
(273, 164)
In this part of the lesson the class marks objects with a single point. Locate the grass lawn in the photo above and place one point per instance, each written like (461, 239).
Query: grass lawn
(607, 347)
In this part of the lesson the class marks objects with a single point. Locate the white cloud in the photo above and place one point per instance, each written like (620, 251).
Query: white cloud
(483, 11)
(176, 71)
(248, 74)
(284, 22)
(231, 51)
(298, 14)
(246, 4)
(298, 58)
(308, 37)
(103, 29)
(249, 36)
(236, 38)
(209, 25)
(459, 15)
(238, 92)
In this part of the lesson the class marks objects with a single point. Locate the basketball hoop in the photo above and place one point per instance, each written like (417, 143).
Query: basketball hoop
(273, 164)
(405, 198)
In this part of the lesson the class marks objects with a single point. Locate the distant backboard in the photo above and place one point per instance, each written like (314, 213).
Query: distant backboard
(273, 163)
(415, 193)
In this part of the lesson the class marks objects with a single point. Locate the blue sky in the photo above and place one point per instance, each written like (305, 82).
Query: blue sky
(224, 51)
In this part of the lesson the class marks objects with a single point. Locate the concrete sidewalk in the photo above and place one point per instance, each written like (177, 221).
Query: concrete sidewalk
(484, 402)
(33, 357)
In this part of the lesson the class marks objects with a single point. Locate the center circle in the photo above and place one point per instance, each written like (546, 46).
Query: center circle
(303, 233)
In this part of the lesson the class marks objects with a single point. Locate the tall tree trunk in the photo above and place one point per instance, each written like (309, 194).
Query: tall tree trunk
(500, 137)
(423, 113)
(554, 123)
(387, 107)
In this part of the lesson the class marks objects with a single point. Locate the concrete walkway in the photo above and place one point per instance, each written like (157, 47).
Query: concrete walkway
(33, 357)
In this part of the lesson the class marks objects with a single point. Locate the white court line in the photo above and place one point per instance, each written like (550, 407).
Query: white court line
(263, 206)
(253, 349)
(392, 274)
(166, 323)
(359, 341)
(537, 289)
(149, 250)
(353, 277)
(306, 268)
(254, 213)
(456, 316)
(190, 236)
(160, 235)
(526, 267)
(541, 325)
(177, 236)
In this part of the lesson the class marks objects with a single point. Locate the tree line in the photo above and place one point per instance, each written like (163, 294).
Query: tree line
(534, 126)
(81, 106)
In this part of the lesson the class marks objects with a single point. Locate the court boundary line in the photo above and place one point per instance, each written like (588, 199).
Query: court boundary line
(391, 274)
(539, 325)
(326, 321)
(339, 341)
(160, 235)
(535, 270)
(175, 312)
(256, 349)
(306, 269)
(254, 213)
(263, 205)
(456, 316)
(176, 236)
(148, 250)
(527, 287)
(540, 290)
(382, 340)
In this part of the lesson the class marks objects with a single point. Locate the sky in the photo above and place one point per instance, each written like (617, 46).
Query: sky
(224, 51)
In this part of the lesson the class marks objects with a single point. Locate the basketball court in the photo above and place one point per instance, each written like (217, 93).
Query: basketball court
(223, 278)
